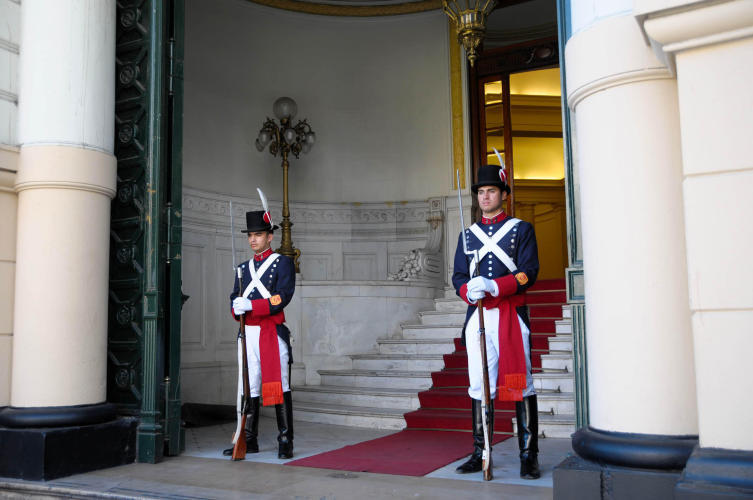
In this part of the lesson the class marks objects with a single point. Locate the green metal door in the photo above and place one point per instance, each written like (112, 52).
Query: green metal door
(145, 264)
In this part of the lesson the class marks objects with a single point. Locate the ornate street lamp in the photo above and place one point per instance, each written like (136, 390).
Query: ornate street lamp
(286, 138)
(469, 17)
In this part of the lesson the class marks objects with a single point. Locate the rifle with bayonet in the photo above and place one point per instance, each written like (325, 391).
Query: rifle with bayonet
(486, 416)
(239, 441)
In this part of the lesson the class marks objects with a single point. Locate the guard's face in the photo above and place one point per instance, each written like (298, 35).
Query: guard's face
(491, 199)
(260, 241)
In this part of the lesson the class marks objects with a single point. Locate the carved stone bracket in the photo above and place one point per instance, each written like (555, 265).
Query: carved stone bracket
(425, 264)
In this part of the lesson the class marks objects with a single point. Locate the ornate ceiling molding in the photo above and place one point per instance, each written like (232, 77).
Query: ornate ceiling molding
(325, 9)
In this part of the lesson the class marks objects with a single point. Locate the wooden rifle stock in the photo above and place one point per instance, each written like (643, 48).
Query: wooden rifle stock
(239, 448)
(487, 416)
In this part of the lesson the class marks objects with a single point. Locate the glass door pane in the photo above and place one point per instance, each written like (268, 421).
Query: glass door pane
(494, 119)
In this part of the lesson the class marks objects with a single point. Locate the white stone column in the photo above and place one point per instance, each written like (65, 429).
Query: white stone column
(712, 48)
(65, 181)
(640, 355)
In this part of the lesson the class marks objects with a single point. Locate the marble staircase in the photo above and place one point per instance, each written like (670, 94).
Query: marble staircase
(426, 366)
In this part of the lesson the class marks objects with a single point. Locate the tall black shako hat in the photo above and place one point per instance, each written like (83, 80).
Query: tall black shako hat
(259, 220)
(491, 175)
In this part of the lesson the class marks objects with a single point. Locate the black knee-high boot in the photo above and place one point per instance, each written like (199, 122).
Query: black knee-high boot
(527, 416)
(252, 429)
(284, 414)
(474, 463)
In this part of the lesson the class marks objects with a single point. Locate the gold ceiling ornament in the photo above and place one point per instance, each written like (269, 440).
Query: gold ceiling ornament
(469, 17)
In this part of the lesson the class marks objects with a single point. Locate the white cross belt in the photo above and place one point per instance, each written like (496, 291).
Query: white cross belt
(256, 283)
(490, 245)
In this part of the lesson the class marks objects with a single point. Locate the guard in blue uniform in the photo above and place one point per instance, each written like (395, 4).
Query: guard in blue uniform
(501, 264)
(267, 286)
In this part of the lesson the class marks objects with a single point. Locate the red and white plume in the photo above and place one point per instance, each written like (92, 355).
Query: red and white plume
(502, 173)
(265, 205)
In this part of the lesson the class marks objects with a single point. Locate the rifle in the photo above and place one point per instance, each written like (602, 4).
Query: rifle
(486, 457)
(239, 444)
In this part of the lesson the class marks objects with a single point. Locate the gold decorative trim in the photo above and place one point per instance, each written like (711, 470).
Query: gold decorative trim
(323, 9)
(456, 91)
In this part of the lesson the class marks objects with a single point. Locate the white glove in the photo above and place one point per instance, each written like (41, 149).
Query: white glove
(241, 305)
(479, 286)
(474, 295)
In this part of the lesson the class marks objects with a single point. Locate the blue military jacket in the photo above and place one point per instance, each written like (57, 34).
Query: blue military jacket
(278, 277)
(514, 239)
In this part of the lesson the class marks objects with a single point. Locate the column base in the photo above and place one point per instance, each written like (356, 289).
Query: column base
(51, 452)
(578, 479)
(713, 473)
(648, 451)
(56, 416)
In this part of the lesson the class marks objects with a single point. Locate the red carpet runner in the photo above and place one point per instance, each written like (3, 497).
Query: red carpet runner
(406, 453)
(425, 445)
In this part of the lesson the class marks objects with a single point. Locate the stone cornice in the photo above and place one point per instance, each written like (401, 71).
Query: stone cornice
(698, 24)
(216, 204)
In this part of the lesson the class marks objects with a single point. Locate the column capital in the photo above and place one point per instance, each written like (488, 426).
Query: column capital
(677, 25)
(609, 53)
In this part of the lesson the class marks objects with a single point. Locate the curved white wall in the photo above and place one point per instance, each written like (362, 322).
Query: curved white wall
(376, 91)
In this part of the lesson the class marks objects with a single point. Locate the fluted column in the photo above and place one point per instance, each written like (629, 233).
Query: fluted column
(65, 181)
(640, 354)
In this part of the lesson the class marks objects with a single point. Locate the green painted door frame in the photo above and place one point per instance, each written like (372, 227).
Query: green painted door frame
(574, 273)
(145, 264)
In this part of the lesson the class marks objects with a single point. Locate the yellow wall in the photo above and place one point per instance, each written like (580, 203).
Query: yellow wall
(542, 203)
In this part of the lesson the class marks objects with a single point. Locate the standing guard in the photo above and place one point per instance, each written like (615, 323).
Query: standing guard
(267, 286)
(503, 257)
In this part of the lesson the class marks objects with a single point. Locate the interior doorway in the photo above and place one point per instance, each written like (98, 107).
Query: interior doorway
(516, 109)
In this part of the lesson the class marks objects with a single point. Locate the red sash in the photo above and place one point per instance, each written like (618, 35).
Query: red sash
(511, 373)
(269, 356)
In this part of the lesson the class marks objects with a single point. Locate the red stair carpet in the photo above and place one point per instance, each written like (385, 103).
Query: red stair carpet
(405, 453)
(426, 445)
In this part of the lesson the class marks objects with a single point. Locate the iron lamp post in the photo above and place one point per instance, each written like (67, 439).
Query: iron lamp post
(285, 138)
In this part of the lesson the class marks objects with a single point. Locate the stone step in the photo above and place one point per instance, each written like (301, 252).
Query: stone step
(567, 312)
(449, 331)
(563, 371)
(419, 362)
(454, 304)
(563, 326)
(441, 318)
(402, 399)
(449, 293)
(416, 346)
(557, 361)
(557, 403)
(353, 416)
(561, 343)
(557, 381)
(417, 380)
(553, 426)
